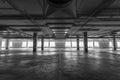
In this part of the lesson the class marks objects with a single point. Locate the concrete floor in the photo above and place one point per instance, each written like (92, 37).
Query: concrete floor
(60, 65)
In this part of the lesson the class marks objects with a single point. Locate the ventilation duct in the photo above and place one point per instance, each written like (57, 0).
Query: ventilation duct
(59, 3)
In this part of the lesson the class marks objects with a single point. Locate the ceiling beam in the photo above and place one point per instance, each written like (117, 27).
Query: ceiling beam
(58, 38)
(40, 17)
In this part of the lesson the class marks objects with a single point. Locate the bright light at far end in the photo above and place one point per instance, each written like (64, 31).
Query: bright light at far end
(66, 32)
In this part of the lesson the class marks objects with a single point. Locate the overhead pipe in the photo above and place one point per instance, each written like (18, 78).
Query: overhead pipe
(15, 30)
(22, 12)
(89, 18)
(19, 31)
(108, 32)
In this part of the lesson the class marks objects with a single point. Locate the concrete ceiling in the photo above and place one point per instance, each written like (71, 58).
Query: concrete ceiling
(59, 18)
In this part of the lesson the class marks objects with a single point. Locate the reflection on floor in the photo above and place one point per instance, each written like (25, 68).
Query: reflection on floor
(60, 65)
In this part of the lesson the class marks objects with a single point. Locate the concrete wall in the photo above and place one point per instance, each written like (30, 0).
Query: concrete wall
(60, 43)
(16, 43)
(104, 43)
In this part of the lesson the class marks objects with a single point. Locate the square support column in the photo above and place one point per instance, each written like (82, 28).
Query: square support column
(26, 43)
(114, 42)
(93, 43)
(42, 43)
(85, 42)
(71, 43)
(34, 42)
(7, 44)
(0, 43)
(78, 43)
(49, 43)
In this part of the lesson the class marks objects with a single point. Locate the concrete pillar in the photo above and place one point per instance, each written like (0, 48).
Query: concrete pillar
(85, 42)
(0, 43)
(49, 43)
(93, 43)
(34, 42)
(114, 42)
(71, 43)
(26, 43)
(7, 44)
(78, 43)
(42, 43)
